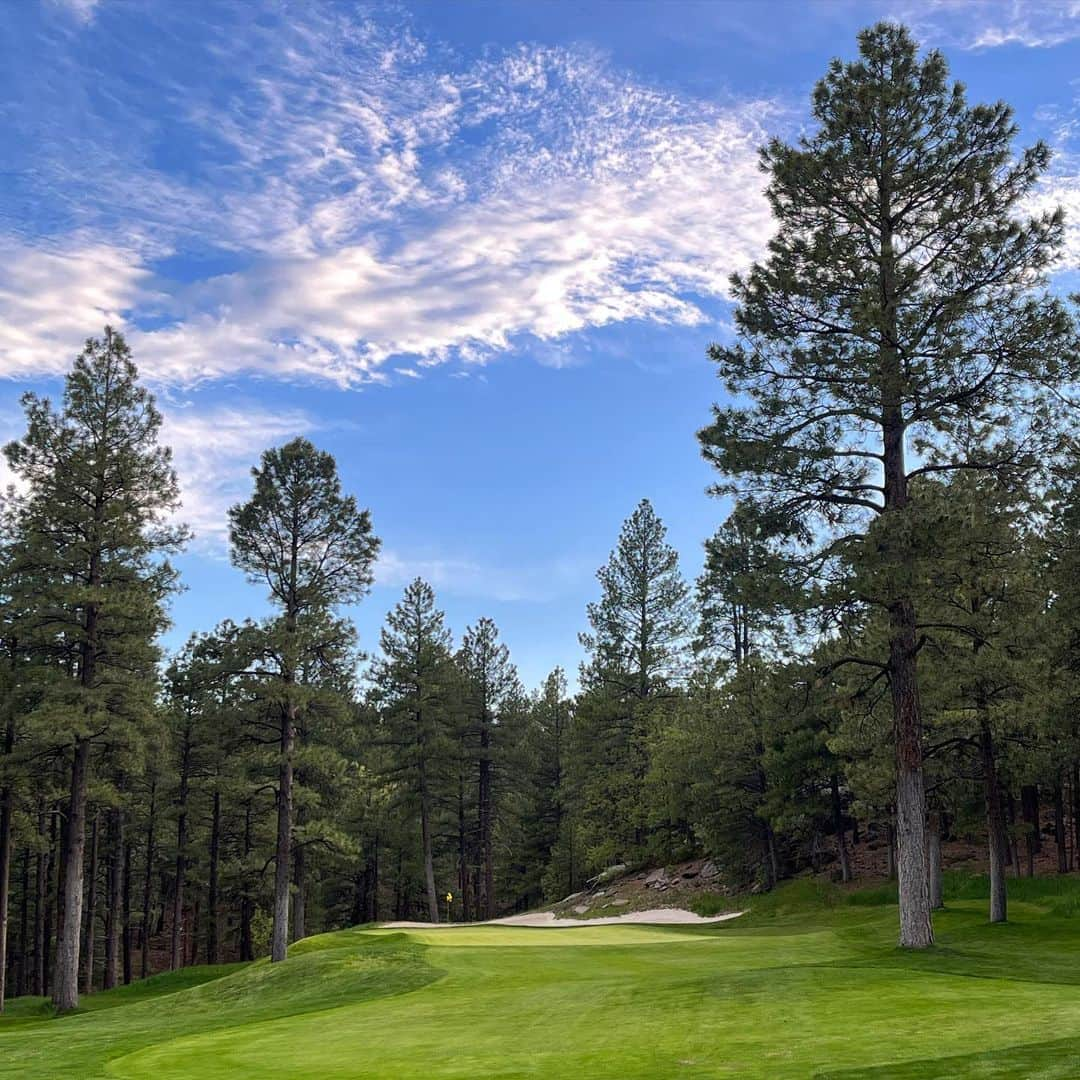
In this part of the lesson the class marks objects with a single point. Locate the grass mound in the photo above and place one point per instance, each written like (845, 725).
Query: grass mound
(808, 984)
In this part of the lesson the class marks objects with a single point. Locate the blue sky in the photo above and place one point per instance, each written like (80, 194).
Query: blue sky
(476, 250)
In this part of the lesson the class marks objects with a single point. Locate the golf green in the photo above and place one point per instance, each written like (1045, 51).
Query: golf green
(782, 992)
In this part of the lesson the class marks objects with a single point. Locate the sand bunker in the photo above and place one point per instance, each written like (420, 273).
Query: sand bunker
(667, 916)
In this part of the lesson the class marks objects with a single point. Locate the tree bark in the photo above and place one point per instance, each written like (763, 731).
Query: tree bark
(148, 878)
(6, 799)
(247, 951)
(916, 928)
(280, 940)
(25, 948)
(114, 912)
(125, 929)
(300, 904)
(40, 886)
(995, 826)
(65, 983)
(212, 914)
(838, 829)
(1059, 829)
(91, 910)
(426, 843)
(933, 854)
(176, 949)
(890, 854)
(485, 799)
(1029, 802)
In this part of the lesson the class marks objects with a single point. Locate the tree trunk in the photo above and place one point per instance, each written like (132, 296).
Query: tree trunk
(40, 886)
(283, 849)
(25, 948)
(995, 826)
(114, 912)
(426, 843)
(463, 852)
(300, 905)
(125, 929)
(5, 885)
(773, 865)
(838, 829)
(485, 799)
(194, 956)
(933, 854)
(176, 948)
(212, 914)
(916, 928)
(148, 878)
(1029, 801)
(65, 988)
(91, 910)
(1059, 829)
(247, 951)
(890, 854)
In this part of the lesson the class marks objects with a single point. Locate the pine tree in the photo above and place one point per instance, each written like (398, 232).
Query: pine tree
(314, 549)
(413, 681)
(99, 487)
(490, 686)
(898, 327)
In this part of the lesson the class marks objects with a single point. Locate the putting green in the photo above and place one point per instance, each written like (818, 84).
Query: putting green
(817, 992)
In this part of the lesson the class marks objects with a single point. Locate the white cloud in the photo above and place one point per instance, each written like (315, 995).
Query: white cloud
(214, 451)
(51, 300)
(989, 24)
(382, 205)
(466, 577)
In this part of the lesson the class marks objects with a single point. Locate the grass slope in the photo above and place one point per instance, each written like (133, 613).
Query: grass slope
(808, 984)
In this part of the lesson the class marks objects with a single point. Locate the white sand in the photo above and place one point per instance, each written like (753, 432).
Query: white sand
(666, 916)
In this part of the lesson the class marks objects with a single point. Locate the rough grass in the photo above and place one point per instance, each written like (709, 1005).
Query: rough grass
(808, 983)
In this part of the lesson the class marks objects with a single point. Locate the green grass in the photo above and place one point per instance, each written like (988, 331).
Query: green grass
(807, 984)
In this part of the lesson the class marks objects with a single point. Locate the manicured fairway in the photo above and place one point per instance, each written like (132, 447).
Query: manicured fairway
(813, 992)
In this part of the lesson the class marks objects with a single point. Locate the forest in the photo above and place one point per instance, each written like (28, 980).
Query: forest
(883, 640)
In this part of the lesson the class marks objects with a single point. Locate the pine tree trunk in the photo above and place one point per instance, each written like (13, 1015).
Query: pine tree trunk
(916, 929)
(176, 949)
(148, 878)
(995, 826)
(1029, 801)
(890, 845)
(212, 913)
(485, 799)
(91, 910)
(300, 905)
(283, 849)
(1059, 829)
(933, 853)
(114, 912)
(65, 983)
(247, 951)
(838, 829)
(125, 930)
(25, 948)
(5, 886)
(40, 886)
(195, 911)
(463, 852)
(426, 844)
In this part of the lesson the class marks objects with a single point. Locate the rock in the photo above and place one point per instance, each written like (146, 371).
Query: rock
(710, 870)
(580, 909)
(621, 902)
(600, 892)
(689, 872)
(658, 878)
(572, 896)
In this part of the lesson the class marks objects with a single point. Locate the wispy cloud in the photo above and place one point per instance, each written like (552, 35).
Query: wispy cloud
(376, 199)
(989, 24)
(214, 451)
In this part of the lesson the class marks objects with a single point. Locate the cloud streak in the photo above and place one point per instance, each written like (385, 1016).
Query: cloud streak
(373, 200)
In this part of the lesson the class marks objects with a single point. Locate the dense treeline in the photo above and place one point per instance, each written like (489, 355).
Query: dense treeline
(884, 637)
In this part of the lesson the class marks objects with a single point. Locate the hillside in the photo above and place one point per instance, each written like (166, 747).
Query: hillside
(774, 994)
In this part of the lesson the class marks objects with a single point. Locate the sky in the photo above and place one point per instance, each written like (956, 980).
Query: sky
(477, 250)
